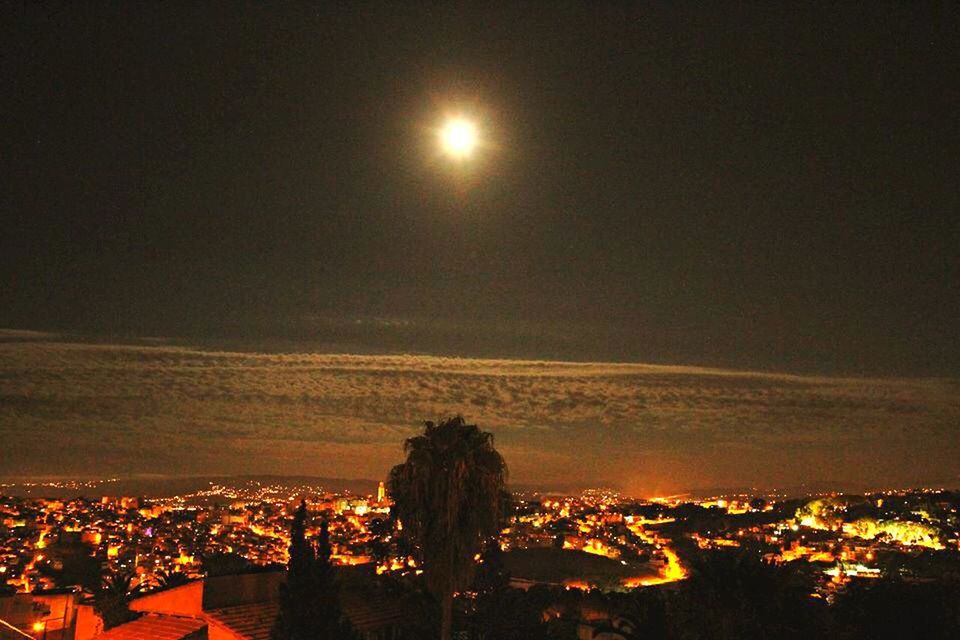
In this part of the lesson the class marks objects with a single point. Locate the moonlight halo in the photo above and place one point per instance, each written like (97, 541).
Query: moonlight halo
(458, 138)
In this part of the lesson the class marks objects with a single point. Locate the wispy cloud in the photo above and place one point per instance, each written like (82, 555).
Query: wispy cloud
(86, 408)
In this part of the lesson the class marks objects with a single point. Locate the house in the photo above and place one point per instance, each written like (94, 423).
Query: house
(53, 611)
(245, 607)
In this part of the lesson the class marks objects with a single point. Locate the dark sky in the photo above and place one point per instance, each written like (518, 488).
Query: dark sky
(742, 185)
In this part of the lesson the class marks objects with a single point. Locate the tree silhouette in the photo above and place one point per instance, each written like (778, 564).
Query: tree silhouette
(113, 600)
(226, 564)
(501, 612)
(892, 608)
(379, 528)
(735, 595)
(76, 565)
(168, 580)
(449, 497)
(309, 608)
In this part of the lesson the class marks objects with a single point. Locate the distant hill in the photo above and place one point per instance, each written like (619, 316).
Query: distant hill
(164, 486)
(158, 486)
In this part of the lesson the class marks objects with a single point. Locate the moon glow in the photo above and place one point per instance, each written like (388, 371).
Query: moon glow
(458, 138)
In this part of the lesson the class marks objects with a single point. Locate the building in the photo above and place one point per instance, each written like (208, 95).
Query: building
(245, 607)
(52, 612)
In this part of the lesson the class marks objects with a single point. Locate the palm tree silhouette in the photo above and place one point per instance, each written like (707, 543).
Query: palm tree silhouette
(449, 497)
(168, 580)
(113, 601)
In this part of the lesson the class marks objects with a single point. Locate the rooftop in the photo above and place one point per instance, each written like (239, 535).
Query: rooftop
(156, 627)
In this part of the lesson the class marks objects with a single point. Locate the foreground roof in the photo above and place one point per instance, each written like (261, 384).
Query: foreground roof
(249, 621)
(156, 627)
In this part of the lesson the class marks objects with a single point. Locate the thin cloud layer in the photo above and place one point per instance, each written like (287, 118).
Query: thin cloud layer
(93, 409)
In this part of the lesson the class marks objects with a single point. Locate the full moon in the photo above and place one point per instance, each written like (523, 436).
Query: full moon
(458, 138)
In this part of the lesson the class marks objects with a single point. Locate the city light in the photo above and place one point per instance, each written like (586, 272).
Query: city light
(160, 537)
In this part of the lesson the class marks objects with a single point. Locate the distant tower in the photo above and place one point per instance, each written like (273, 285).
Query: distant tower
(381, 492)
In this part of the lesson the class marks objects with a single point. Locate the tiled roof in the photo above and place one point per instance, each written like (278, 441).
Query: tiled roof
(249, 621)
(370, 610)
(155, 627)
(366, 610)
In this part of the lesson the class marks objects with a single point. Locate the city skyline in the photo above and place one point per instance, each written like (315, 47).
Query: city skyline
(486, 321)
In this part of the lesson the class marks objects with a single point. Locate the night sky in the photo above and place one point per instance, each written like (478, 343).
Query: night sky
(747, 187)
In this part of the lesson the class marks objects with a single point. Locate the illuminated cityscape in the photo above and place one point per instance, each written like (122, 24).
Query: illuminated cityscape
(597, 540)
(564, 320)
